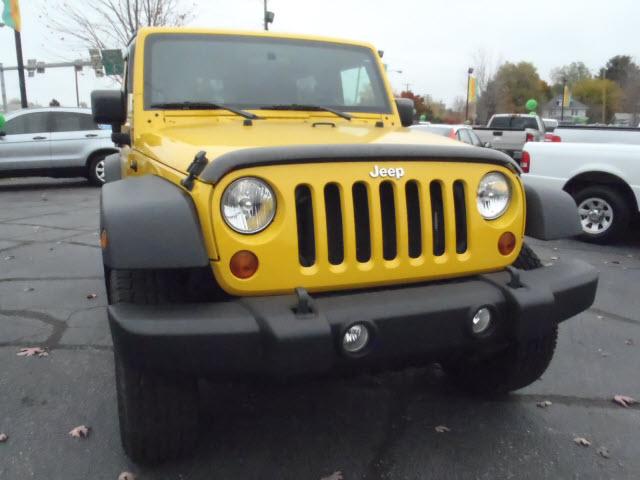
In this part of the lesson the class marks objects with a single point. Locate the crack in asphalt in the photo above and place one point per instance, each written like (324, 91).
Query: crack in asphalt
(614, 316)
(58, 326)
(45, 279)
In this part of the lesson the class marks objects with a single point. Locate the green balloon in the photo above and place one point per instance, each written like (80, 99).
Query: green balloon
(2, 120)
(531, 104)
(423, 118)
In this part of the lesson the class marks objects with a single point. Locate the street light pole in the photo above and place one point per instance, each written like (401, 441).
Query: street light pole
(2, 88)
(564, 87)
(75, 70)
(23, 88)
(266, 23)
(466, 109)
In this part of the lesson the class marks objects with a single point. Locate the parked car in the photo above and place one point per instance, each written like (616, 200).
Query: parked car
(463, 133)
(509, 132)
(604, 180)
(54, 142)
(598, 134)
(337, 240)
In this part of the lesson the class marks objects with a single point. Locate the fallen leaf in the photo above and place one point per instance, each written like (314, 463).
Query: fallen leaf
(29, 289)
(81, 431)
(629, 341)
(603, 452)
(32, 352)
(442, 429)
(126, 476)
(544, 404)
(3, 437)
(583, 442)
(91, 296)
(624, 400)
(334, 476)
(9, 257)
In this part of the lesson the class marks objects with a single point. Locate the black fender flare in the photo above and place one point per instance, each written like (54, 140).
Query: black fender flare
(149, 223)
(551, 213)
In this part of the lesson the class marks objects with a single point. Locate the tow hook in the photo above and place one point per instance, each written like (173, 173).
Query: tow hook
(514, 282)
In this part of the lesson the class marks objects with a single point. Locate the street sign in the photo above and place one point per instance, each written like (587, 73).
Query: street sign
(113, 62)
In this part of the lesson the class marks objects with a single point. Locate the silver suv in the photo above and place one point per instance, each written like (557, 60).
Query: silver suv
(54, 142)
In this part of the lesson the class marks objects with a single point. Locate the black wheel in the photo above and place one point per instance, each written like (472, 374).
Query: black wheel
(95, 169)
(519, 365)
(158, 412)
(604, 214)
(527, 259)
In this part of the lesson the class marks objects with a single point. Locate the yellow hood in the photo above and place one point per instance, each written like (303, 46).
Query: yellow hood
(176, 145)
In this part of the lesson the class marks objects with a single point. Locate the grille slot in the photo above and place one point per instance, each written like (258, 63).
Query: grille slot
(414, 225)
(437, 215)
(306, 235)
(362, 221)
(333, 214)
(388, 213)
(461, 216)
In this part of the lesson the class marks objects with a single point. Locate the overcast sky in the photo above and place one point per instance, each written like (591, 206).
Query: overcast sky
(432, 41)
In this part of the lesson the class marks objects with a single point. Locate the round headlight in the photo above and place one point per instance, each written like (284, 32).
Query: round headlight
(248, 205)
(494, 194)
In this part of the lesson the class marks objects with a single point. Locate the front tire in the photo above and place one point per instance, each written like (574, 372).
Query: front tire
(95, 169)
(604, 214)
(519, 365)
(158, 412)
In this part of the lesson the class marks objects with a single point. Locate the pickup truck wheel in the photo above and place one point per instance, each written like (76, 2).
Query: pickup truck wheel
(95, 173)
(603, 212)
(521, 364)
(158, 412)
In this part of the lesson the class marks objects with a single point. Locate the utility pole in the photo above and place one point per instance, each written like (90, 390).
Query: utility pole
(604, 97)
(564, 87)
(466, 108)
(268, 16)
(3, 89)
(23, 88)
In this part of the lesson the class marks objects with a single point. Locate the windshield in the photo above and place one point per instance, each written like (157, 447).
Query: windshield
(254, 72)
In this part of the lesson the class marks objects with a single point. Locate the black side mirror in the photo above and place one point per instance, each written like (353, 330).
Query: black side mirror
(108, 107)
(406, 111)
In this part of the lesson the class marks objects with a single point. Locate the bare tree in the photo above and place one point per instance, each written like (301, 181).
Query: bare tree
(104, 24)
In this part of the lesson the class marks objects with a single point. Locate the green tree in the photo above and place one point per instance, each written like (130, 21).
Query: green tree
(573, 73)
(620, 69)
(594, 93)
(516, 83)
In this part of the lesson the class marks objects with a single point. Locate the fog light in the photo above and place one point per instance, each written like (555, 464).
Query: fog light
(243, 264)
(355, 338)
(481, 321)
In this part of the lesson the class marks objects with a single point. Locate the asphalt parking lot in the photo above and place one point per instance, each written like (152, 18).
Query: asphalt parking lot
(371, 427)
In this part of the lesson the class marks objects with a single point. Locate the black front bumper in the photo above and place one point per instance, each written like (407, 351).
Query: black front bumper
(266, 335)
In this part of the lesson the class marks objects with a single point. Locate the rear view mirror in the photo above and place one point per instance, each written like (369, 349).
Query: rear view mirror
(108, 107)
(406, 111)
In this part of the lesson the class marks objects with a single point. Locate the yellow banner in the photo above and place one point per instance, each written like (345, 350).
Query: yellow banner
(472, 89)
(566, 97)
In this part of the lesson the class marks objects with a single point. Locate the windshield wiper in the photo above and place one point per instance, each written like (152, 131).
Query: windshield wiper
(204, 106)
(297, 106)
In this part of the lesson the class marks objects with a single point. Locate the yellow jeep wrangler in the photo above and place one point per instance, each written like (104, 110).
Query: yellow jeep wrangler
(270, 214)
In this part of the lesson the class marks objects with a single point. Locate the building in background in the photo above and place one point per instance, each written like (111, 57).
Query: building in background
(576, 112)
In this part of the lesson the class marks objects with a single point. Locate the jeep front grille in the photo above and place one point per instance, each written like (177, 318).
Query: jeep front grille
(366, 220)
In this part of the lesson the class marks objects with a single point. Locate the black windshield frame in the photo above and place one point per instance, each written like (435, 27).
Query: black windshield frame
(375, 76)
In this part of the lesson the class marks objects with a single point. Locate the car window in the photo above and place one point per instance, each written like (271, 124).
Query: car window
(72, 122)
(27, 123)
(524, 122)
(475, 140)
(463, 134)
(500, 122)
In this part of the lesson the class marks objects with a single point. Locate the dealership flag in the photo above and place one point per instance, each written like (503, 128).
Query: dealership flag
(566, 97)
(472, 89)
(11, 14)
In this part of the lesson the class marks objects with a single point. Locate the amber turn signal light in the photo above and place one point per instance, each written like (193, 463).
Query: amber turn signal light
(243, 264)
(104, 240)
(506, 243)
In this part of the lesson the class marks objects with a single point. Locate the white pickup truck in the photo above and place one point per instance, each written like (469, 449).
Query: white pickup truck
(603, 178)
(508, 132)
